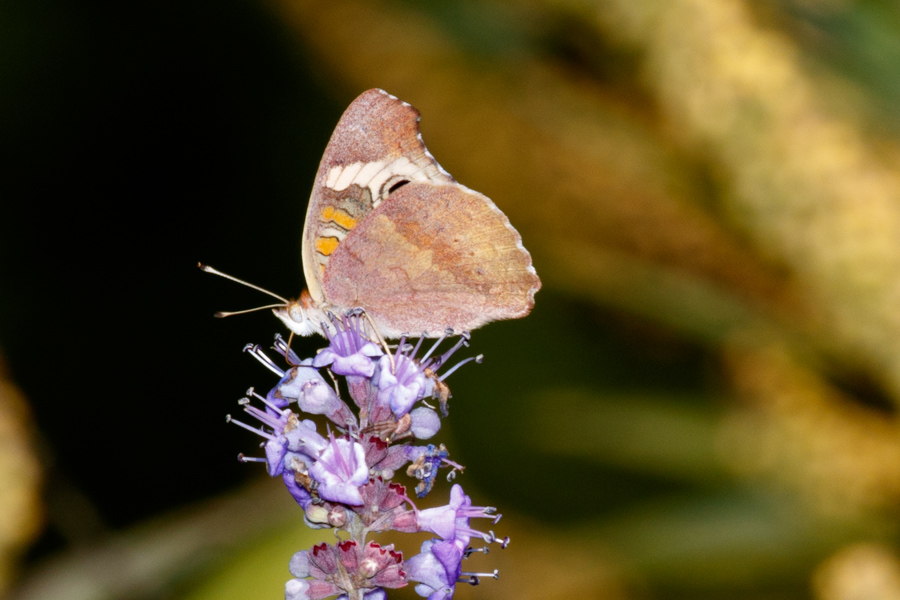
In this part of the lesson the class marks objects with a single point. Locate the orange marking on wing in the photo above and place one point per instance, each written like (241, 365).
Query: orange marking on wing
(326, 245)
(329, 213)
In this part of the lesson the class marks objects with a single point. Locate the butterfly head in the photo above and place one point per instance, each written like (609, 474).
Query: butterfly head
(302, 316)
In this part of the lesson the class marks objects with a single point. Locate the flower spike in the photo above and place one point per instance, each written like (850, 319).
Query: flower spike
(347, 478)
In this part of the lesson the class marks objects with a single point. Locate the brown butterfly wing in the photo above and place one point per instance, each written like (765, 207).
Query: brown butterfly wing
(430, 257)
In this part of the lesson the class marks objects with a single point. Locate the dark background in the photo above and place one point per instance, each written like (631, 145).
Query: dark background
(139, 139)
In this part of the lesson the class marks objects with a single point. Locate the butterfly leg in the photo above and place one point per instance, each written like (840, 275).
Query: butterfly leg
(384, 345)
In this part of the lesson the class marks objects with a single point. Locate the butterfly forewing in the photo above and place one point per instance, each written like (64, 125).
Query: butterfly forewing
(375, 148)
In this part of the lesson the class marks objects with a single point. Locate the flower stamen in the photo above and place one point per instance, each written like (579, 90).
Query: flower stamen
(256, 352)
(258, 432)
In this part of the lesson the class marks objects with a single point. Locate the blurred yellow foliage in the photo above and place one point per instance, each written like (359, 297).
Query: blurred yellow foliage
(859, 572)
(21, 507)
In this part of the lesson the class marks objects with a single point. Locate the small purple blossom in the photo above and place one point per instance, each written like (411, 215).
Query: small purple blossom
(288, 434)
(403, 379)
(300, 494)
(424, 423)
(313, 395)
(340, 470)
(437, 568)
(451, 522)
(349, 352)
(401, 383)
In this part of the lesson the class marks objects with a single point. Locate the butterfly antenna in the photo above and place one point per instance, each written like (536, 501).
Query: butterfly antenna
(209, 269)
(223, 314)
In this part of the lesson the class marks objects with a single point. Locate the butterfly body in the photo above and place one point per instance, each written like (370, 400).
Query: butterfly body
(388, 230)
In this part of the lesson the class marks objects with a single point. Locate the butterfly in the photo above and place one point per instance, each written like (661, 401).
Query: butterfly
(389, 231)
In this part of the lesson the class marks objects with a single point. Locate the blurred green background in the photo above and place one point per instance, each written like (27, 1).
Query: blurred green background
(703, 404)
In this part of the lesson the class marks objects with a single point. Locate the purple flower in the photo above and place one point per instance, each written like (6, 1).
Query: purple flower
(340, 470)
(451, 522)
(436, 568)
(425, 423)
(299, 493)
(302, 438)
(401, 384)
(286, 434)
(404, 379)
(312, 393)
(290, 454)
(349, 352)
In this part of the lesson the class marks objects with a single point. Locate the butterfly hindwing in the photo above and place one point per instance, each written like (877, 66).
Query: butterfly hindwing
(432, 257)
